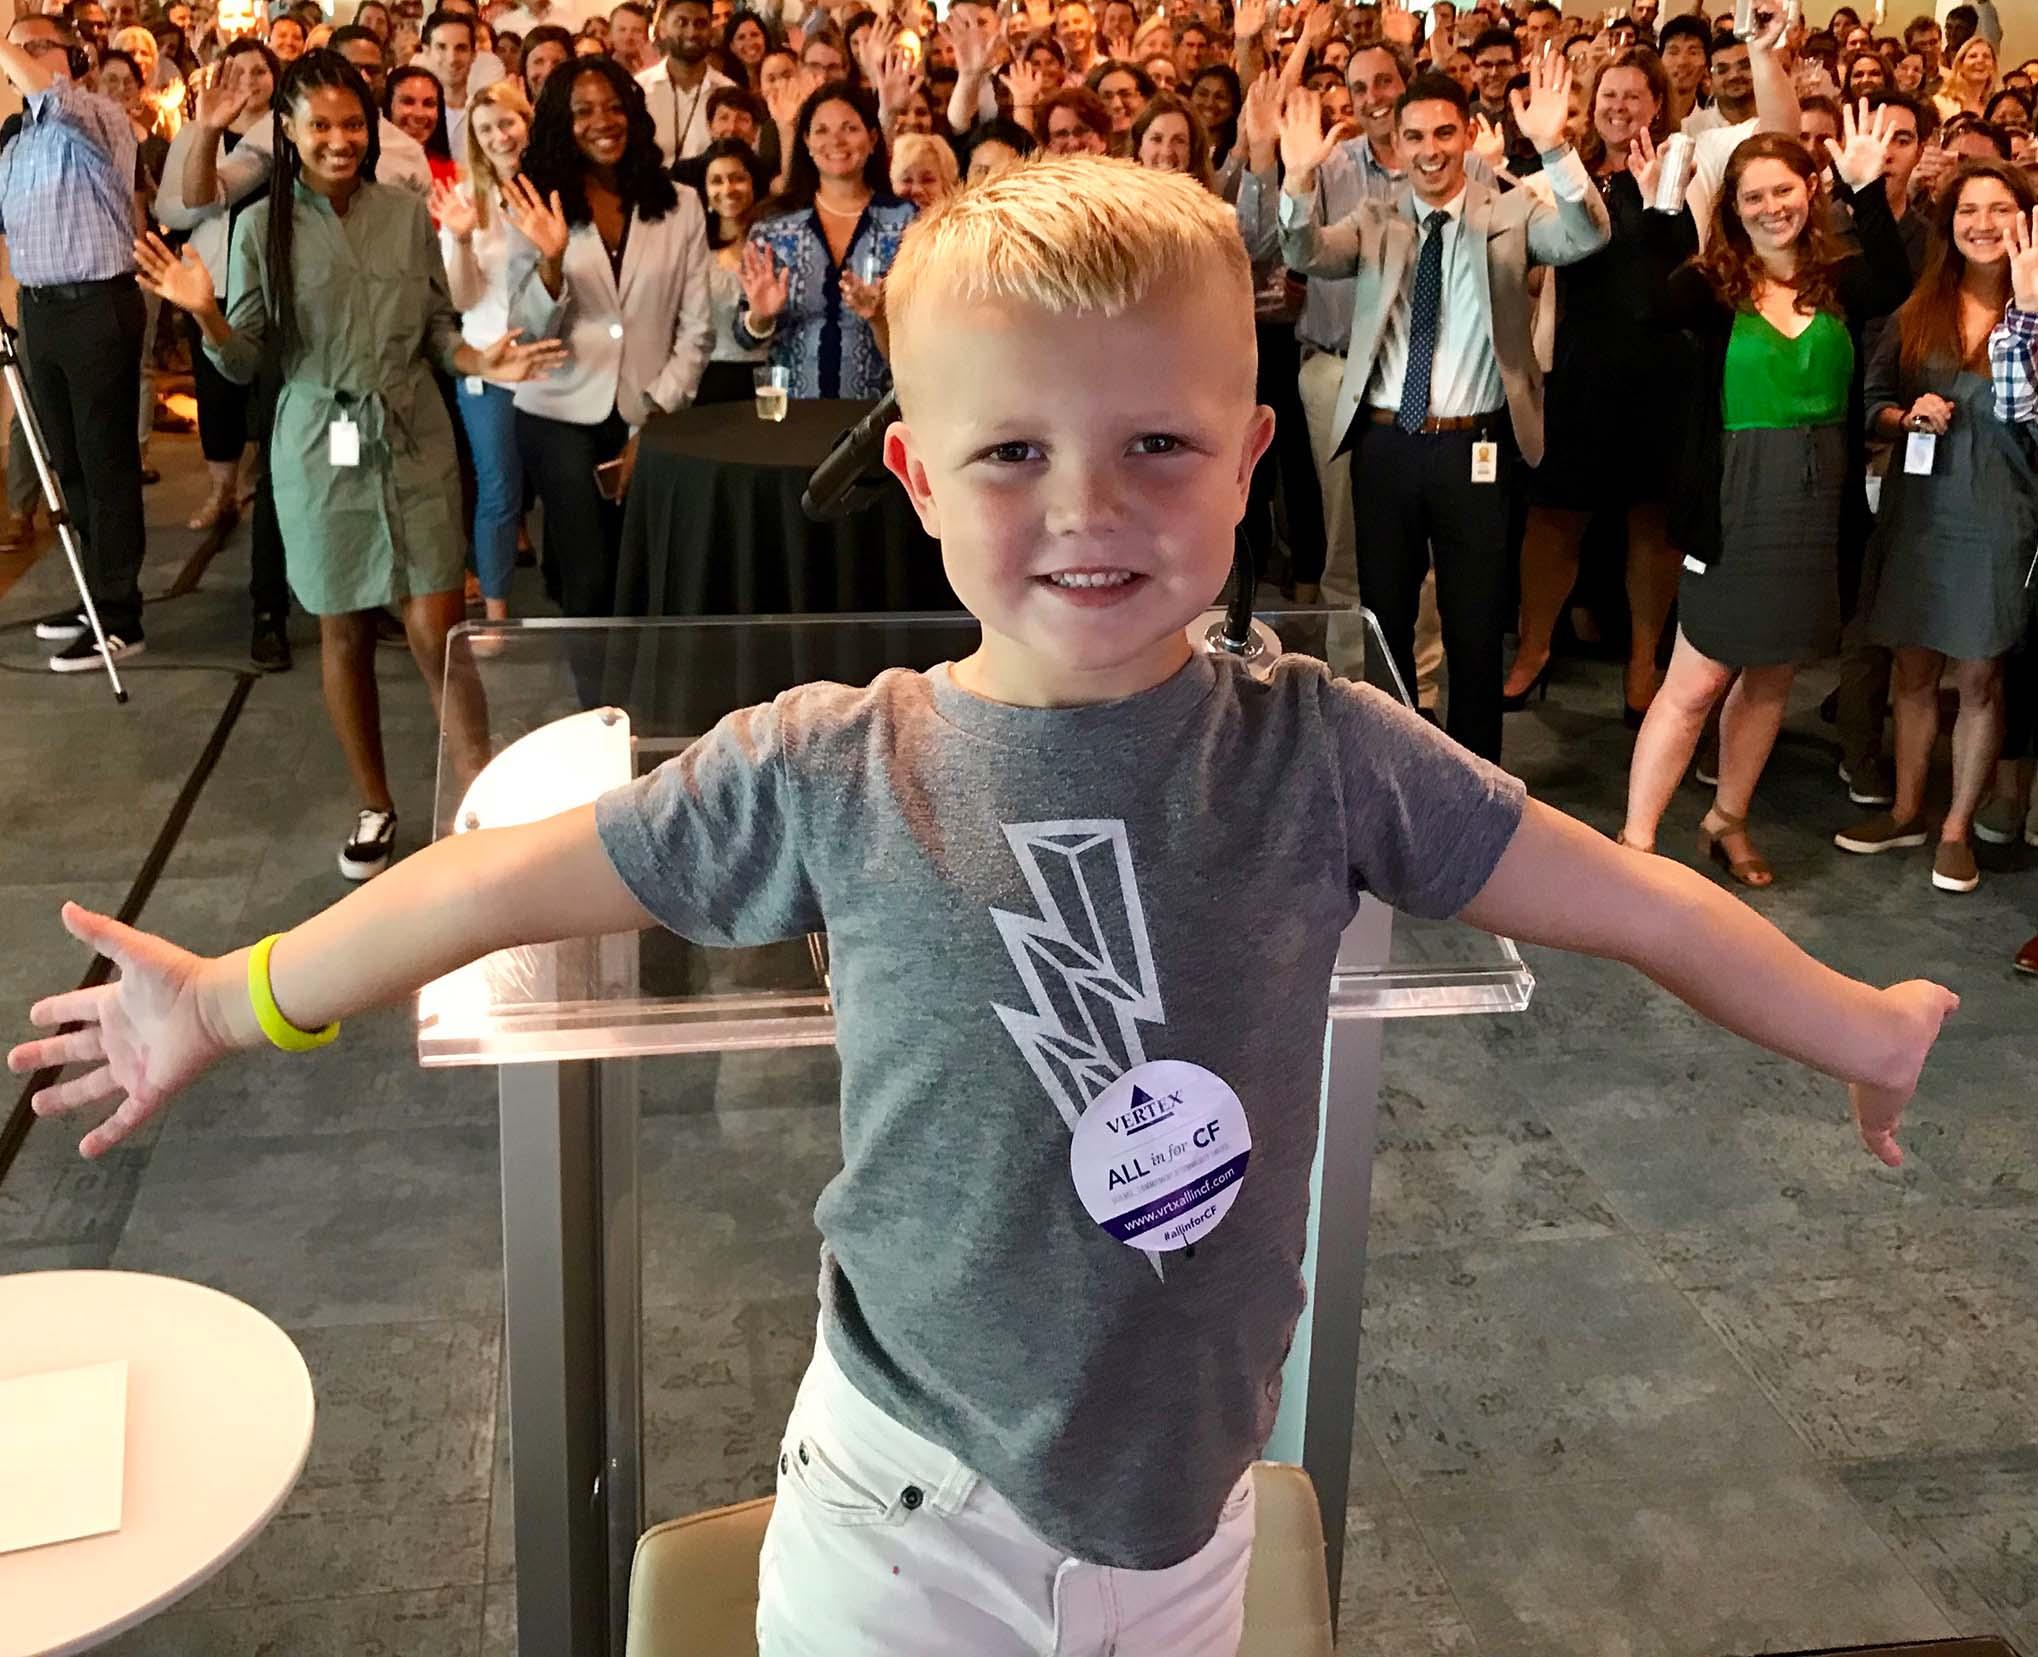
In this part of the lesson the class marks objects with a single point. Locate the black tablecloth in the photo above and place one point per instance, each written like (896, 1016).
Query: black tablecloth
(714, 527)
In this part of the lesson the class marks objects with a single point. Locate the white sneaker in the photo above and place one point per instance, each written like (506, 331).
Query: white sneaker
(62, 627)
(367, 854)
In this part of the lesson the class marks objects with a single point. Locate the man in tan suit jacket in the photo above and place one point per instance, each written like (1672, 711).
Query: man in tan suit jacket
(1442, 397)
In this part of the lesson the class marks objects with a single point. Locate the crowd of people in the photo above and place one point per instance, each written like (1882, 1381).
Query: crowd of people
(1716, 347)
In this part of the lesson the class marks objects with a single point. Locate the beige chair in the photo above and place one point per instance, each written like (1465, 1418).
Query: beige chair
(693, 1584)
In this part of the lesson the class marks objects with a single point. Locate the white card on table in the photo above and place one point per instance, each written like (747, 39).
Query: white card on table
(343, 442)
(1918, 454)
(63, 1448)
(1485, 462)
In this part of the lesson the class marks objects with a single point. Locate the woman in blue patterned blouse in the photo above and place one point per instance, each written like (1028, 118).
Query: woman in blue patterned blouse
(802, 297)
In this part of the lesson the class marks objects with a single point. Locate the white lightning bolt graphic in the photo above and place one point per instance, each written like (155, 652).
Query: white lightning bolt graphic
(1086, 960)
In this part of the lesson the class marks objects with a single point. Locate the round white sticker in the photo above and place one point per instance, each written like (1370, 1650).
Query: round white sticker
(1158, 1157)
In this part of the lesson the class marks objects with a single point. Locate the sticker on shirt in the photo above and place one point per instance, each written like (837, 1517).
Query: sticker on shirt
(1159, 1156)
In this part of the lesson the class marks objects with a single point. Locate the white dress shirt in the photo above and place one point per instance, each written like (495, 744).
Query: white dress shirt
(1710, 153)
(680, 116)
(568, 15)
(402, 161)
(637, 346)
(487, 70)
(1464, 372)
(483, 304)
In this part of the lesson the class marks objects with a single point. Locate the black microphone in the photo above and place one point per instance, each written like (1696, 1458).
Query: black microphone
(833, 489)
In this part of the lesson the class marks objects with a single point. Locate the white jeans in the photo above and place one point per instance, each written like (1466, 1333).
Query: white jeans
(882, 1544)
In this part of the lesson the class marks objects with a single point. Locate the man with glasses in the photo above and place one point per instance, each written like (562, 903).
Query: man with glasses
(67, 211)
(1496, 62)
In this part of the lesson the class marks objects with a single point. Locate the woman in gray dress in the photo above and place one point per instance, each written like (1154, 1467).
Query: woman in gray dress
(1958, 521)
(338, 287)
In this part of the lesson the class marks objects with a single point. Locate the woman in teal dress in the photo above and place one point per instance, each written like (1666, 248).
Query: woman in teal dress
(344, 297)
(1768, 506)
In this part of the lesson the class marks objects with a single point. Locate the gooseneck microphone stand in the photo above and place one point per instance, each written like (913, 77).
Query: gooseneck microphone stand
(52, 492)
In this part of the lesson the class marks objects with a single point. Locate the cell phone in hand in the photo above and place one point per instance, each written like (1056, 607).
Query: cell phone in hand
(612, 477)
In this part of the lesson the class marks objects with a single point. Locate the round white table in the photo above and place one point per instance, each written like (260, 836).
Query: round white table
(219, 1413)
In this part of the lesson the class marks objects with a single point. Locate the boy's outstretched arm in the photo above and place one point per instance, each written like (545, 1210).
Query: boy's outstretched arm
(170, 1014)
(1563, 884)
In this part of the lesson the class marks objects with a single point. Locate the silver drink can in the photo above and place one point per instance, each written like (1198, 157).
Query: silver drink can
(1679, 151)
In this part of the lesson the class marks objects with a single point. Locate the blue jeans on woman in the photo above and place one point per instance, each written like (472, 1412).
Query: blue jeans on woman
(490, 416)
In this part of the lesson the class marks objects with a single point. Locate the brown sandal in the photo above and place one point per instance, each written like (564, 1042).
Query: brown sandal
(1714, 832)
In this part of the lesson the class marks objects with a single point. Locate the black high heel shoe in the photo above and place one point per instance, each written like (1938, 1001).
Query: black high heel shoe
(1539, 687)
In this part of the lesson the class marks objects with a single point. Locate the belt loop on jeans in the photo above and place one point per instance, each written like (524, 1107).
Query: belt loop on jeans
(60, 293)
(1438, 423)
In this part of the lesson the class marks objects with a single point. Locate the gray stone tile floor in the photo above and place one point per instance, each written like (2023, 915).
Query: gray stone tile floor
(1656, 1362)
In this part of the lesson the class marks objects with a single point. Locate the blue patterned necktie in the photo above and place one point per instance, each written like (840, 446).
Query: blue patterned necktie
(1422, 325)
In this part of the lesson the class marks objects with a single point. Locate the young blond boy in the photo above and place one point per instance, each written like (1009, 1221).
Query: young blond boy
(1081, 877)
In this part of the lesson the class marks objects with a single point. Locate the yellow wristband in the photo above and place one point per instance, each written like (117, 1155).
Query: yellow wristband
(280, 1031)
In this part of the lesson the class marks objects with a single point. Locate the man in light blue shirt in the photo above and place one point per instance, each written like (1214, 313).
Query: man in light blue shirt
(1441, 396)
(1364, 168)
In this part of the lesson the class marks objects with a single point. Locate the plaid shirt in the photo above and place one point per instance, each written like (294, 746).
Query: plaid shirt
(2011, 366)
(67, 189)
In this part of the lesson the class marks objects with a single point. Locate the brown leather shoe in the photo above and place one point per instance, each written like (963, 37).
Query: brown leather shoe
(2027, 958)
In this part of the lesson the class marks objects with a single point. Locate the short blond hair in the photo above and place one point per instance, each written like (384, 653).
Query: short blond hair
(1069, 234)
(503, 94)
(915, 147)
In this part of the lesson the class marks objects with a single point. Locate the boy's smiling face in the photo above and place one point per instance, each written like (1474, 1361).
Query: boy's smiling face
(1084, 474)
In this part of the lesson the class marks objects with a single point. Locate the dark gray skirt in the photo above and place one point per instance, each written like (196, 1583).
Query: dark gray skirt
(1773, 595)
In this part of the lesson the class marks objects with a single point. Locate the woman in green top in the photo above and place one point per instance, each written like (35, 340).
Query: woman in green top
(345, 297)
(1769, 507)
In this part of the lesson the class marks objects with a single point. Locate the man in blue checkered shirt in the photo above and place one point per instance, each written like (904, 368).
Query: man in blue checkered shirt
(67, 210)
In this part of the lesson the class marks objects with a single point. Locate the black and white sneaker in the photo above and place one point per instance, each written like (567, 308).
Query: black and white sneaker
(61, 627)
(367, 854)
(82, 654)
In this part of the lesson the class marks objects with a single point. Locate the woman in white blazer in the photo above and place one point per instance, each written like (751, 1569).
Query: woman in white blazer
(619, 271)
(222, 406)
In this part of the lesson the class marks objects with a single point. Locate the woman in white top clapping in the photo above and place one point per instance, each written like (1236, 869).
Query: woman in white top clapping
(732, 182)
(474, 236)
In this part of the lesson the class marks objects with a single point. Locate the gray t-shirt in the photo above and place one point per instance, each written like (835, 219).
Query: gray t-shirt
(1021, 904)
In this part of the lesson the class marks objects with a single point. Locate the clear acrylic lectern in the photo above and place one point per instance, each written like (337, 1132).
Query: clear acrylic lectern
(635, 1183)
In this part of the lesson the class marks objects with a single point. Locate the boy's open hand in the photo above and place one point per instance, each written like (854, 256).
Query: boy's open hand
(1917, 1011)
(145, 1037)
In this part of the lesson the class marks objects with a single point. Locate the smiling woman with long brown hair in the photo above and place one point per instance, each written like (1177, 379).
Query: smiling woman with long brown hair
(1945, 578)
(1769, 506)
